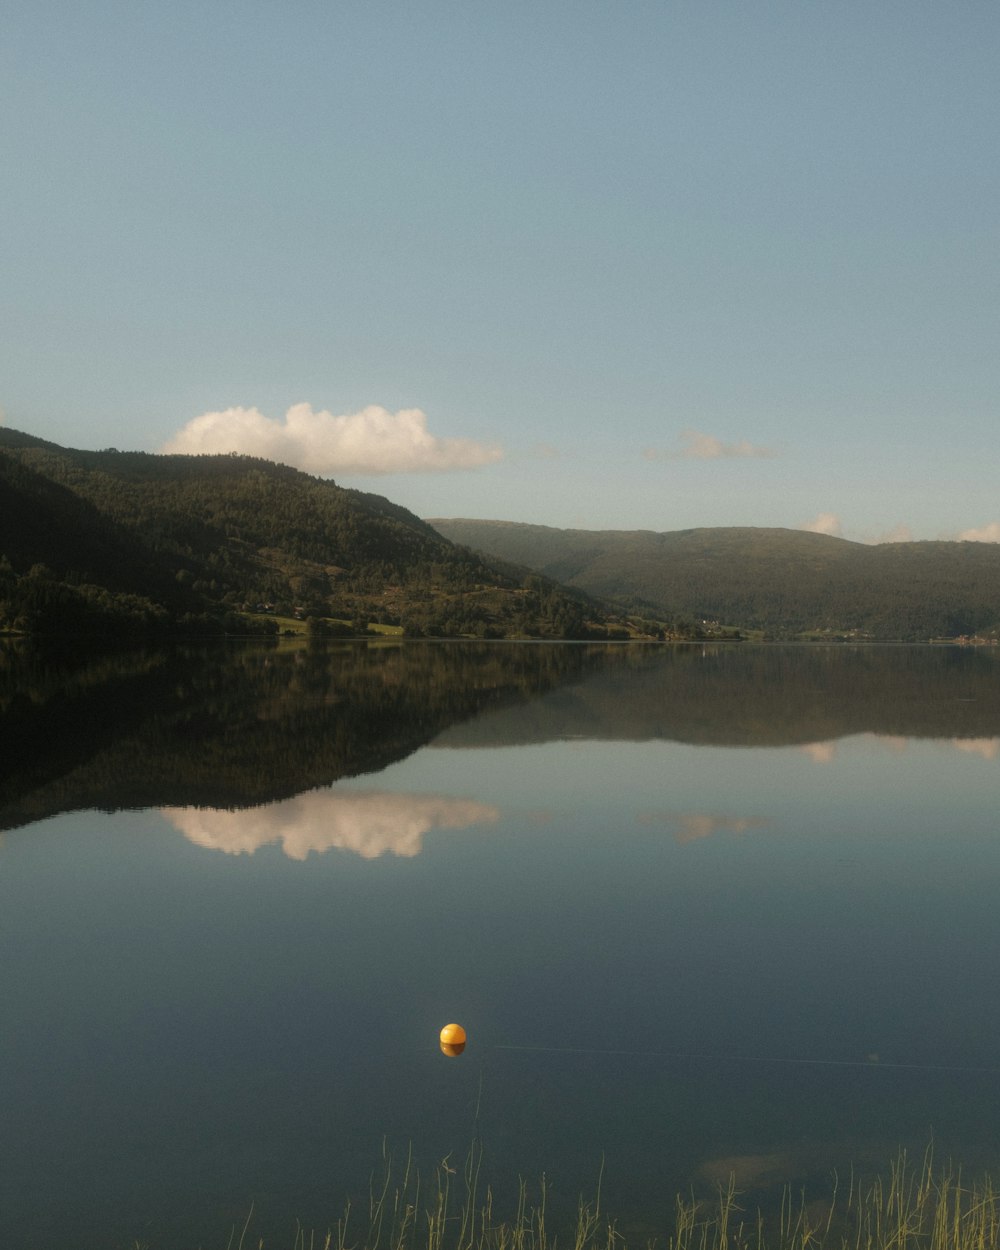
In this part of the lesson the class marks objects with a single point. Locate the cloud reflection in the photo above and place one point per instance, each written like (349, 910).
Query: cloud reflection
(820, 752)
(692, 826)
(749, 1170)
(369, 823)
(988, 748)
(826, 752)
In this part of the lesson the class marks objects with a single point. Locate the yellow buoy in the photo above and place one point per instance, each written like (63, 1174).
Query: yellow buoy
(452, 1040)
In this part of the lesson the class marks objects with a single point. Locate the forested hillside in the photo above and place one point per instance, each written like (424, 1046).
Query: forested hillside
(127, 542)
(784, 582)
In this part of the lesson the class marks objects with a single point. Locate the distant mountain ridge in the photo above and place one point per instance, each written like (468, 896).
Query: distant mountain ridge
(781, 581)
(99, 542)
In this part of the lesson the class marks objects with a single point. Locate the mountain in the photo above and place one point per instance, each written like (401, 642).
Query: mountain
(783, 582)
(110, 542)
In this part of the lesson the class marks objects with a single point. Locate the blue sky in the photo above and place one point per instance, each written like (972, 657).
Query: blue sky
(616, 265)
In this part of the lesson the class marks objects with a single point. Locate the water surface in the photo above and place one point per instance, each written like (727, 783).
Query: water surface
(700, 909)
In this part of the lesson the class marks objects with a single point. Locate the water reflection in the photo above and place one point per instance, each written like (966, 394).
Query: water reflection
(368, 823)
(238, 726)
(242, 726)
(693, 826)
(820, 752)
(826, 752)
(758, 871)
(986, 748)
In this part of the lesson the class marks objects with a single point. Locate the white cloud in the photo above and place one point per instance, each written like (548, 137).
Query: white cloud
(985, 534)
(371, 441)
(370, 823)
(698, 446)
(825, 523)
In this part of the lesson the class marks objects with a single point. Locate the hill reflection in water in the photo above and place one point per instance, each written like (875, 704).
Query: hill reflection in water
(245, 726)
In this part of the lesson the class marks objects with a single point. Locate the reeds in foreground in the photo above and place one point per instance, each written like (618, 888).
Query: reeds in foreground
(911, 1207)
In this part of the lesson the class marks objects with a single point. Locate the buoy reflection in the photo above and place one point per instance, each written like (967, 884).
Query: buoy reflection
(452, 1049)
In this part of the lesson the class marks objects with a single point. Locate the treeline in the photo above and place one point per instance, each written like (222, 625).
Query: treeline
(128, 543)
(40, 603)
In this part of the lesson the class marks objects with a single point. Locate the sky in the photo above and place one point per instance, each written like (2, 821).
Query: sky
(619, 265)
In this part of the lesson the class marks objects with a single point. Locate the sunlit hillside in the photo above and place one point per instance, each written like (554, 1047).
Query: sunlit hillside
(781, 581)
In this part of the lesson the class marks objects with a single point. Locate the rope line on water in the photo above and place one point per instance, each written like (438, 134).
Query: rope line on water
(712, 1058)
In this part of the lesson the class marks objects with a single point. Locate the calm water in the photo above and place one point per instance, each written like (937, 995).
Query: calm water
(699, 909)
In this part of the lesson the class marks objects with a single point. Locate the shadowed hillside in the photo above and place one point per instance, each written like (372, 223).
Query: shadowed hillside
(99, 542)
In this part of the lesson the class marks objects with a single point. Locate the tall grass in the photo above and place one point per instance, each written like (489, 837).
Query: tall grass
(909, 1207)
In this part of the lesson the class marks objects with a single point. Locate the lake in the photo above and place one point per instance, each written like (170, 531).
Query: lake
(701, 909)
